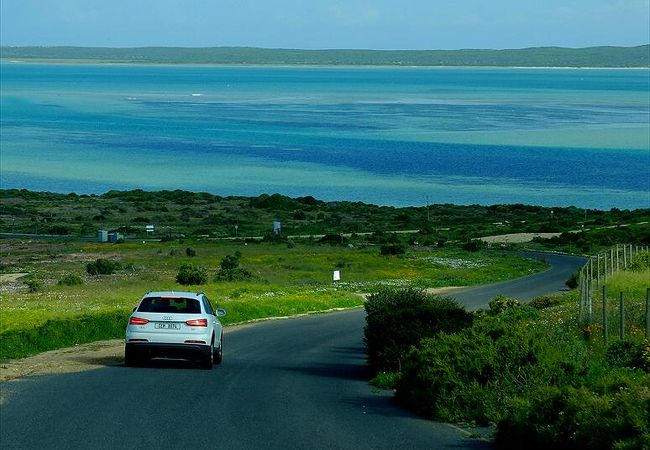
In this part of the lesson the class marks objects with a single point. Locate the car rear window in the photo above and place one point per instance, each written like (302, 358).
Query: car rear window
(170, 305)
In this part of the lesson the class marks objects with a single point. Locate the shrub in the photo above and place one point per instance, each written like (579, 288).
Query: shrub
(545, 301)
(189, 251)
(392, 249)
(385, 380)
(398, 319)
(568, 417)
(230, 270)
(33, 285)
(626, 353)
(442, 378)
(473, 246)
(230, 262)
(191, 274)
(102, 267)
(333, 239)
(71, 279)
(500, 304)
(238, 274)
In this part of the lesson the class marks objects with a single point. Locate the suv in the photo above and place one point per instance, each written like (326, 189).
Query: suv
(177, 325)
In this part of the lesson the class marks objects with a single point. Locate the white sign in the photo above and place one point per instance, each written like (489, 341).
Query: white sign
(336, 276)
(149, 228)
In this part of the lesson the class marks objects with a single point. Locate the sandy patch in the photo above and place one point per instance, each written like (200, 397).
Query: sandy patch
(516, 238)
(6, 278)
(66, 360)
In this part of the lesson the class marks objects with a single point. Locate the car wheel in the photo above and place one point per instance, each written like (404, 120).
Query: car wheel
(217, 356)
(131, 359)
(206, 363)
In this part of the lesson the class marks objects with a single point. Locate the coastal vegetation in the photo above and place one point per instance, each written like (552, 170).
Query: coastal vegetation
(638, 56)
(535, 373)
(182, 214)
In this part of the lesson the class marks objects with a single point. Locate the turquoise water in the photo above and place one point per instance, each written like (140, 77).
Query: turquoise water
(390, 136)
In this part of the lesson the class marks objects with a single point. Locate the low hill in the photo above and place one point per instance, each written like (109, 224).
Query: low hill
(638, 56)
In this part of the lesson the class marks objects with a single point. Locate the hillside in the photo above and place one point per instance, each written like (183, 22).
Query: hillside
(638, 56)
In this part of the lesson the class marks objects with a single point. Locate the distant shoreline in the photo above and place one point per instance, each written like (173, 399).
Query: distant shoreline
(297, 65)
(603, 57)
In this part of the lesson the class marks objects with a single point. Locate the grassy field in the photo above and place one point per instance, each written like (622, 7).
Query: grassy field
(286, 280)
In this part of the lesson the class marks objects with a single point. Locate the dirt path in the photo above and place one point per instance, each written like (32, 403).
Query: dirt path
(66, 360)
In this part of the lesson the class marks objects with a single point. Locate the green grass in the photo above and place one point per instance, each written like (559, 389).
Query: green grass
(633, 284)
(287, 281)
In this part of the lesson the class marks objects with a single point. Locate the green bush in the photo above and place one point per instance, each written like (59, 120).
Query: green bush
(103, 267)
(33, 285)
(191, 274)
(230, 270)
(189, 251)
(625, 353)
(71, 279)
(473, 246)
(575, 417)
(545, 301)
(478, 373)
(385, 380)
(392, 249)
(398, 319)
(500, 304)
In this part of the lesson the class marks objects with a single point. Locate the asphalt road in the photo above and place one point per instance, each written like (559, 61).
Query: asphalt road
(296, 383)
(525, 288)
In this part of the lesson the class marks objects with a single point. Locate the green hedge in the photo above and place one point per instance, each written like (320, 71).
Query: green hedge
(398, 319)
(544, 388)
(61, 333)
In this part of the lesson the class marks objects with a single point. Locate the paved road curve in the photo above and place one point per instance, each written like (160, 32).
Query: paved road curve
(298, 383)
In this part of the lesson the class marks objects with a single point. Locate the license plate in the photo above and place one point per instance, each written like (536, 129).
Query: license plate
(167, 326)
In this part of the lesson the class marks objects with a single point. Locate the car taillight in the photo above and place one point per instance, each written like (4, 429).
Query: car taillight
(197, 322)
(138, 321)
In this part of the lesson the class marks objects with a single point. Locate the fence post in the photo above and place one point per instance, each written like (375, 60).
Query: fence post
(622, 316)
(581, 298)
(589, 306)
(618, 267)
(625, 256)
(605, 316)
(598, 270)
(647, 313)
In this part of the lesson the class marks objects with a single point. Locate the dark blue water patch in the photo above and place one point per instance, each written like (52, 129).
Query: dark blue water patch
(627, 170)
(375, 116)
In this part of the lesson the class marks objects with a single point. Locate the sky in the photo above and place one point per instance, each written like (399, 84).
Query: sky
(319, 24)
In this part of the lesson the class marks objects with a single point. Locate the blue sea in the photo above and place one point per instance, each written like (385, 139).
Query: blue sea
(388, 136)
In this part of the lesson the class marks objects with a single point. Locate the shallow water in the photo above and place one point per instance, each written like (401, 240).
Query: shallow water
(393, 136)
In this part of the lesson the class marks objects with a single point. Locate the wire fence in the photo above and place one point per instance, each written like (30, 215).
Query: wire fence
(615, 312)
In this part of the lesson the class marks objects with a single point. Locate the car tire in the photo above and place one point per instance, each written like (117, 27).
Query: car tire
(217, 355)
(206, 363)
(131, 359)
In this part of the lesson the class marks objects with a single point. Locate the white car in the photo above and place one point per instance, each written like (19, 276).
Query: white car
(174, 325)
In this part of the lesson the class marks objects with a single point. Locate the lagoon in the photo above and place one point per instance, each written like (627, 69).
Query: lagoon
(389, 136)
